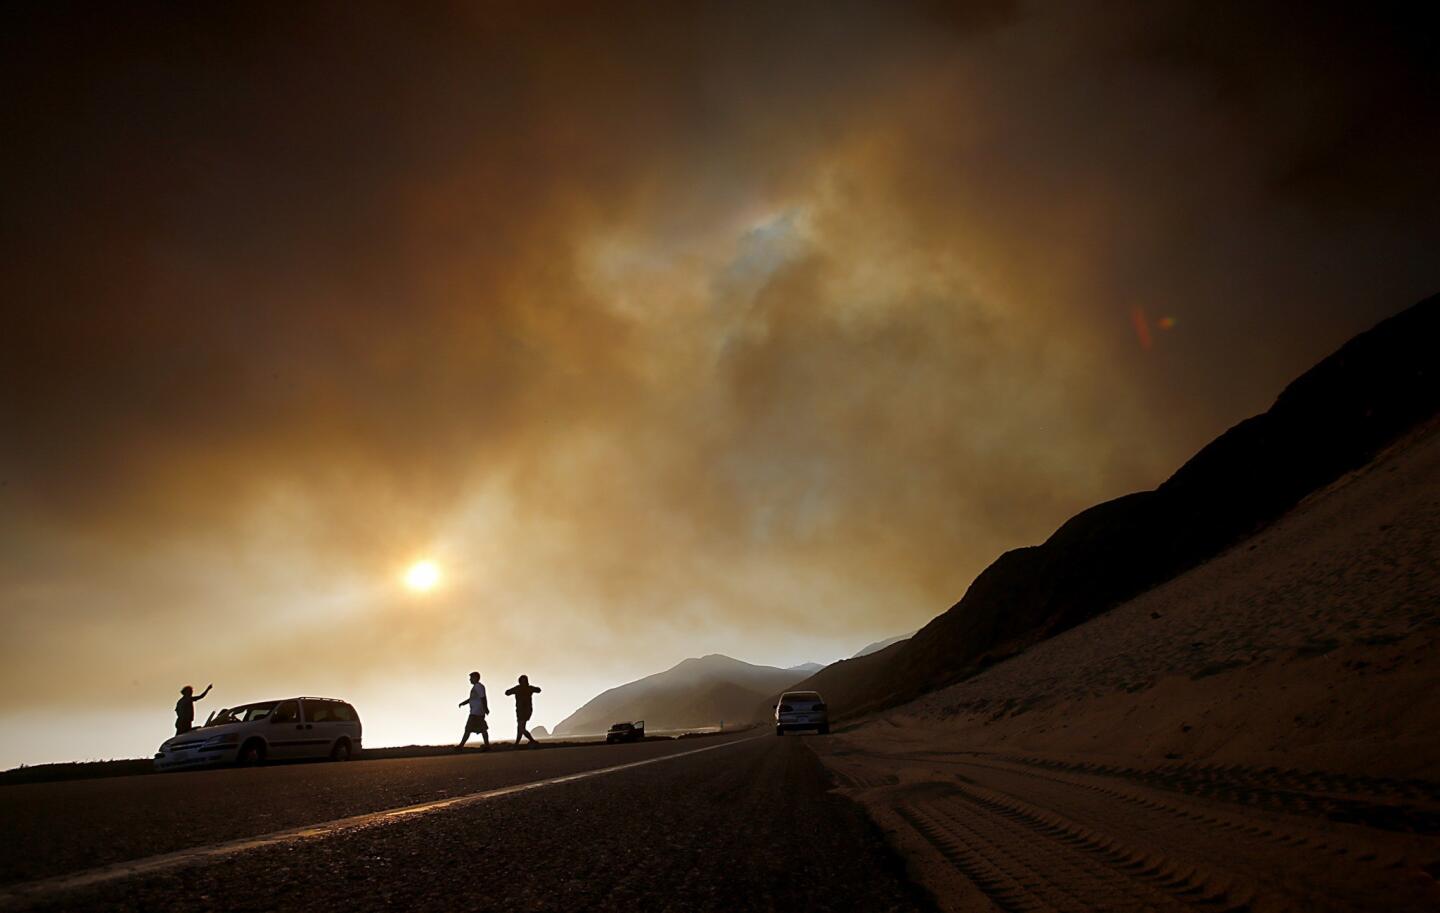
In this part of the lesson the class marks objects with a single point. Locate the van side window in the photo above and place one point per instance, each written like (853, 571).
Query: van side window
(319, 712)
(287, 712)
(344, 712)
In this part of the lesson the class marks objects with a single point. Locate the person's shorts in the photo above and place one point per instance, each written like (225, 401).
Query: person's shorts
(476, 723)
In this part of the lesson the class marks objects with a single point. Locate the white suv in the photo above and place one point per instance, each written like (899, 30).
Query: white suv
(801, 710)
(299, 727)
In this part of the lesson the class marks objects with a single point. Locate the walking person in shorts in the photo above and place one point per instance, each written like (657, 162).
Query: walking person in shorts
(478, 708)
(523, 708)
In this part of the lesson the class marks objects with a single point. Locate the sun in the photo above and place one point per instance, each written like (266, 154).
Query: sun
(422, 576)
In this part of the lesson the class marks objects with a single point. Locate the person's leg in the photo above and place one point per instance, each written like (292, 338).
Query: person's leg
(464, 737)
(519, 731)
(485, 734)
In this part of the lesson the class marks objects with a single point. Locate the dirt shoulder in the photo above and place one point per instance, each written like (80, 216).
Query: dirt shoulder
(1260, 731)
(1315, 644)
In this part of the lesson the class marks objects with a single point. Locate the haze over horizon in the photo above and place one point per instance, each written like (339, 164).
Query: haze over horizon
(747, 331)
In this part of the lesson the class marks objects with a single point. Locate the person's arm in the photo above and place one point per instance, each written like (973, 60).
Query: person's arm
(205, 692)
(511, 691)
(463, 703)
(534, 689)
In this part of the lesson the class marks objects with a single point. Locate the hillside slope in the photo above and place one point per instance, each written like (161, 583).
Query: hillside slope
(879, 645)
(1315, 643)
(1262, 728)
(1331, 420)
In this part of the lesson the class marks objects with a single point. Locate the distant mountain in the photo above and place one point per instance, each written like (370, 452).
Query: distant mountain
(1330, 421)
(879, 645)
(807, 668)
(539, 732)
(696, 692)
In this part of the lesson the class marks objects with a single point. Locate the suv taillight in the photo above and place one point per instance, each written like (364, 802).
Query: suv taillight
(786, 708)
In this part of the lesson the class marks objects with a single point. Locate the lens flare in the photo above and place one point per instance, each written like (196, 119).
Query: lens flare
(1142, 326)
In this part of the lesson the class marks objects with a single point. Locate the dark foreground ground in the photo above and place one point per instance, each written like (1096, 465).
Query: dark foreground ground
(749, 825)
(988, 831)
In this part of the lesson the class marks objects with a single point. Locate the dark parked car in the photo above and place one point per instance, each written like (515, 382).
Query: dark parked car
(626, 732)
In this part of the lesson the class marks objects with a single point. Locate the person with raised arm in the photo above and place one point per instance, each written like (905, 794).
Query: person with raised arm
(523, 708)
(185, 708)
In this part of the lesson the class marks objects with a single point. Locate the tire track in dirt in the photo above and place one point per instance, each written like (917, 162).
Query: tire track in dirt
(1259, 823)
(1023, 875)
(1336, 796)
(988, 832)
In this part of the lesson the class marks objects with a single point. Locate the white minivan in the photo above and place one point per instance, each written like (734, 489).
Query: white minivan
(298, 727)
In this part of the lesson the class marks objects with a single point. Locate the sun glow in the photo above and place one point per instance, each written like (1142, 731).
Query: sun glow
(422, 576)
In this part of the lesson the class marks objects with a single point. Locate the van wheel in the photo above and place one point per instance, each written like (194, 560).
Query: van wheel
(341, 751)
(251, 753)
(779, 731)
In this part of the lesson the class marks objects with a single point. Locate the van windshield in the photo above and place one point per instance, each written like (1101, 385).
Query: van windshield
(246, 713)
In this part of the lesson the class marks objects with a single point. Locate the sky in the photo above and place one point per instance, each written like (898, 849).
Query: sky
(662, 330)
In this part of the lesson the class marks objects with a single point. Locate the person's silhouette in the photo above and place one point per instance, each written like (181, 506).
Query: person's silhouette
(479, 706)
(523, 708)
(185, 708)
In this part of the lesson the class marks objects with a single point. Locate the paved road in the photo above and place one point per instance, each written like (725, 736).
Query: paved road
(62, 827)
(747, 823)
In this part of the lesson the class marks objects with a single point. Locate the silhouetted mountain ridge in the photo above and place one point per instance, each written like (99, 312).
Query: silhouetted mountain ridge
(879, 645)
(1331, 420)
(700, 691)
